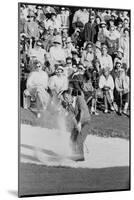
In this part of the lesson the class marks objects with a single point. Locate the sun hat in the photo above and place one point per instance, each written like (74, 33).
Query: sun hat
(98, 44)
(58, 39)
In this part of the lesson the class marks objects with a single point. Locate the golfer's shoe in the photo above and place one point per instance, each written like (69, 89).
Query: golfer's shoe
(112, 108)
(38, 115)
(77, 158)
(92, 110)
(125, 111)
(105, 111)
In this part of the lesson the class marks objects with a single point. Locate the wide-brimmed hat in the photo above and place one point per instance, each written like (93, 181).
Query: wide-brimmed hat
(89, 43)
(98, 44)
(75, 52)
(102, 22)
(39, 42)
(68, 40)
(106, 69)
(31, 14)
(120, 50)
(118, 62)
(81, 66)
(58, 39)
(104, 46)
(60, 68)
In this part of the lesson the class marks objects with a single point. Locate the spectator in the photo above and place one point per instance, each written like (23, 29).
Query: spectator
(105, 59)
(90, 30)
(58, 83)
(122, 90)
(37, 84)
(57, 53)
(88, 55)
(31, 28)
(75, 57)
(103, 32)
(38, 52)
(124, 44)
(106, 84)
(81, 15)
(69, 47)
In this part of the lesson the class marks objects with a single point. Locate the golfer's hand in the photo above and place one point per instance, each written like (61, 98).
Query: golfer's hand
(79, 126)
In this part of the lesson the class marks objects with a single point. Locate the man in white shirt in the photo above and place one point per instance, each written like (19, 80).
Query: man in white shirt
(106, 83)
(106, 59)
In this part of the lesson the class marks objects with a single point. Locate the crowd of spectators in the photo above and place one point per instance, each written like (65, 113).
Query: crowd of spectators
(76, 51)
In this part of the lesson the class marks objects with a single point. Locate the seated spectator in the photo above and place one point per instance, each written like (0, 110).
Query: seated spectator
(88, 55)
(75, 57)
(68, 67)
(59, 82)
(69, 47)
(76, 81)
(119, 56)
(57, 53)
(106, 84)
(122, 90)
(105, 59)
(97, 51)
(37, 85)
(38, 52)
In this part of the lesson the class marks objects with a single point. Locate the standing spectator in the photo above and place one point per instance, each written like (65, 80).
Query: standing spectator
(81, 15)
(64, 15)
(103, 32)
(106, 60)
(90, 30)
(31, 29)
(112, 40)
(124, 44)
(122, 90)
(106, 83)
(54, 22)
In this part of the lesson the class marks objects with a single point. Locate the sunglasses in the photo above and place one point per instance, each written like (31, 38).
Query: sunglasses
(69, 63)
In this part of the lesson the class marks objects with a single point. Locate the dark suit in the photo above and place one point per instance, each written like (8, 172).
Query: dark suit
(90, 32)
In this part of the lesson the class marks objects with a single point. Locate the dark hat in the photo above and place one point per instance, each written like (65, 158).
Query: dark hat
(89, 43)
(75, 52)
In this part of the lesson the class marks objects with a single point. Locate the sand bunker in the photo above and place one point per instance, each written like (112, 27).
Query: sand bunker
(52, 147)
